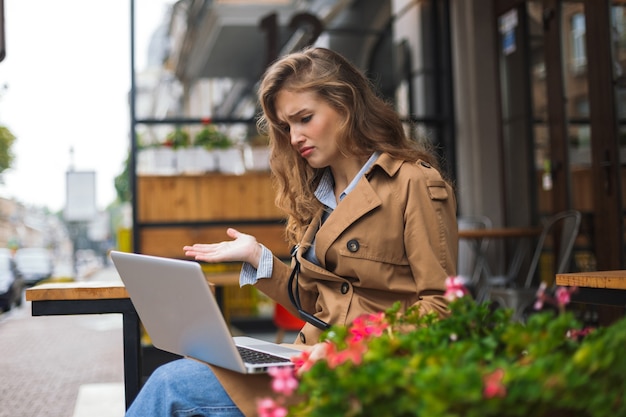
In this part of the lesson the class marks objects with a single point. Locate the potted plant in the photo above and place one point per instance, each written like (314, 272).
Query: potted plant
(155, 158)
(257, 154)
(179, 141)
(228, 157)
(211, 138)
(476, 362)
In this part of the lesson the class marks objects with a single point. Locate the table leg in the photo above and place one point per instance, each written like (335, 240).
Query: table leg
(132, 356)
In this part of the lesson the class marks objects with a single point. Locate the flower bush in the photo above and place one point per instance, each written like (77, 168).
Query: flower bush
(476, 362)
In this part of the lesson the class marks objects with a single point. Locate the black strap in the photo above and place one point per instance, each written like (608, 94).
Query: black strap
(295, 299)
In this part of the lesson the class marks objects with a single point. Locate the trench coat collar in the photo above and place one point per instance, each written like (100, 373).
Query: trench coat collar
(356, 204)
(389, 164)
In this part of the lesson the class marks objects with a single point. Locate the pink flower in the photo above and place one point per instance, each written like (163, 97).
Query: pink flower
(354, 353)
(368, 325)
(267, 407)
(455, 288)
(283, 380)
(541, 296)
(576, 334)
(562, 296)
(303, 362)
(493, 384)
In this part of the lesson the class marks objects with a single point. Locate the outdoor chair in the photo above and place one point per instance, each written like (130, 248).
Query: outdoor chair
(471, 257)
(520, 298)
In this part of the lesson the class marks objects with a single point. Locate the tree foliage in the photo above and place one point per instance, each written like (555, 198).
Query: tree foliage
(122, 183)
(6, 143)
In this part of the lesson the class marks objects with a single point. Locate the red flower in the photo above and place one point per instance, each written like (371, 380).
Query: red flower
(303, 362)
(354, 353)
(493, 384)
(368, 325)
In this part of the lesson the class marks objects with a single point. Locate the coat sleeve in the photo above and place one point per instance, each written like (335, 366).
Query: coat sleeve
(276, 286)
(431, 251)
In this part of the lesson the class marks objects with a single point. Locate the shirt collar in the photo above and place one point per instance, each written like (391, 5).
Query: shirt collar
(325, 193)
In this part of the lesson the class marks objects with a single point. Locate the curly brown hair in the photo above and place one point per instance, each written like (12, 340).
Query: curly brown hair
(370, 124)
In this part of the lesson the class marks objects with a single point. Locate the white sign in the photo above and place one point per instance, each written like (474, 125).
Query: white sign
(80, 202)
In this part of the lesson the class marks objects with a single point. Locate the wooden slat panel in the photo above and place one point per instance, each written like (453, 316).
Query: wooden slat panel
(168, 198)
(213, 197)
(169, 242)
(248, 196)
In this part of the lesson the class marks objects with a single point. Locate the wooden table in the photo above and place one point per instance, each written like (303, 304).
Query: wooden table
(482, 266)
(499, 232)
(597, 287)
(106, 297)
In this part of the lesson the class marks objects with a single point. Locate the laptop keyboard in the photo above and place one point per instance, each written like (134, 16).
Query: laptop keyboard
(253, 356)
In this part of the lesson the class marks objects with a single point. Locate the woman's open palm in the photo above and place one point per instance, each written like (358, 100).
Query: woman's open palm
(243, 248)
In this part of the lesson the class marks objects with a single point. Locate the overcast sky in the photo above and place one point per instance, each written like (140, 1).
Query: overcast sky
(63, 85)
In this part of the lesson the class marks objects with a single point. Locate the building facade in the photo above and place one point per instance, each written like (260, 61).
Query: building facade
(523, 99)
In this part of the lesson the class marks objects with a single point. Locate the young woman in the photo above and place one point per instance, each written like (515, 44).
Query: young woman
(371, 219)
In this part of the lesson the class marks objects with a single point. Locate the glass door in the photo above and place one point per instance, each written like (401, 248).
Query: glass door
(618, 55)
(562, 90)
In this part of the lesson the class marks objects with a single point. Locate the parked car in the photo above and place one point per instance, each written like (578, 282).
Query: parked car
(11, 282)
(35, 264)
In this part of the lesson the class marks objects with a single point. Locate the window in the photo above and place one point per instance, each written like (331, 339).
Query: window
(579, 52)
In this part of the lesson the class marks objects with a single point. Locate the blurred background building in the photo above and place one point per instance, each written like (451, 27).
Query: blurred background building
(522, 99)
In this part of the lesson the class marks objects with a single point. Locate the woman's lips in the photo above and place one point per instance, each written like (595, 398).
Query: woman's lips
(306, 151)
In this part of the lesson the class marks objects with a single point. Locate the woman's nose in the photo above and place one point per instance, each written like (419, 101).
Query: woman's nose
(296, 137)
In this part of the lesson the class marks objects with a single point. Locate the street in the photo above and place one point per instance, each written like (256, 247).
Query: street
(44, 362)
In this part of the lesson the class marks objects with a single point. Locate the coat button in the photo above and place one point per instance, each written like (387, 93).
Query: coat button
(345, 287)
(353, 245)
(302, 338)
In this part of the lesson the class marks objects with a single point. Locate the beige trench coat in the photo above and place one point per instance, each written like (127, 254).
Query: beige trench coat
(393, 238)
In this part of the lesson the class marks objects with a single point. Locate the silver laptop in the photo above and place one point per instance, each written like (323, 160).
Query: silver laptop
(180, 314)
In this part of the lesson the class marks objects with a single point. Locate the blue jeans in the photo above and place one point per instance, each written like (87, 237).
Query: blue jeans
(183, 388)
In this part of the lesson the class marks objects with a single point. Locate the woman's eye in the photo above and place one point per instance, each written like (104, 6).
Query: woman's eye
(306, 119)
(285, 128)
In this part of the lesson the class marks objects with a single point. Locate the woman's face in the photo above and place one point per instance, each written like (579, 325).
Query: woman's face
(313, 126)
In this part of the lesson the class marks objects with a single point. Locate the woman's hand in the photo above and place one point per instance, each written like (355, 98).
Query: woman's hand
(244, 248)
(309, 356)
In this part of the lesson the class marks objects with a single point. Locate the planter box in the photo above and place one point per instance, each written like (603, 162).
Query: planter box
(257, 158)
(230, 161)
(195, 160)
(156, 161)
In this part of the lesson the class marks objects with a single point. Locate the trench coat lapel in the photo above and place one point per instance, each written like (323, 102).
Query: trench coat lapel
(312, 270)
(355, 205)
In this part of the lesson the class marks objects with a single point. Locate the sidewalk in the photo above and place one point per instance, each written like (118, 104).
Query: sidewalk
(45, 362)
(66, 366)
